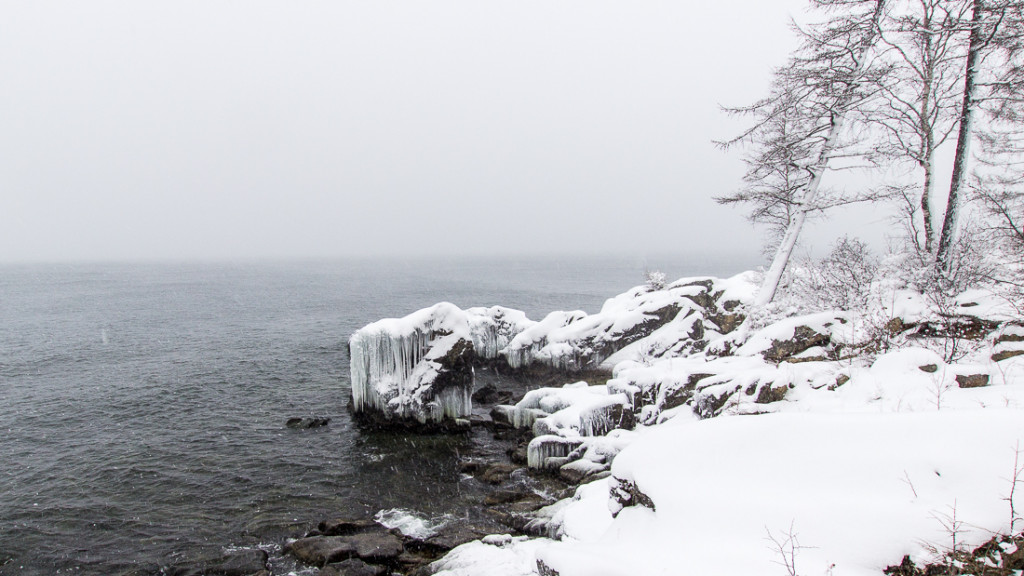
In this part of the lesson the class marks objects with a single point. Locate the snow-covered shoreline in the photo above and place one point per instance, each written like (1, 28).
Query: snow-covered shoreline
(859, 456)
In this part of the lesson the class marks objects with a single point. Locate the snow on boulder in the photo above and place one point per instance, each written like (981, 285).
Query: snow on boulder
(643, 321)
(825, 333)
(418, 370)
(561, 418)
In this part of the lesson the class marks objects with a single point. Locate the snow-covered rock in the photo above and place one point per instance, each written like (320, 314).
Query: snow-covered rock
(643, 322)
(418, 370)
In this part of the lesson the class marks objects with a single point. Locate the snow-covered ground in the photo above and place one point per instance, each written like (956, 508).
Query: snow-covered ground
(753, 456)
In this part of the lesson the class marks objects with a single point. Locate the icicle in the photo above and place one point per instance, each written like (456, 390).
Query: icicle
(546, 452)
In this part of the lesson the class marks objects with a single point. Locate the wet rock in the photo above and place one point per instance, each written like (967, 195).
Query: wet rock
(481, 419)
(450, 536)
(518, 455)
(508, 496)
(471, 466)
(497, 473)
(370, 547)
(307, 423)
(415, 564)
(971, 380)
(274, 528)
(346, 527)
(522, 523)
(487, 394)
(502, 415)
(352, 567)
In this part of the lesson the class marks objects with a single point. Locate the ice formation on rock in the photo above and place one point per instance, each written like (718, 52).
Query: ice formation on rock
(419, 368)
(550, 451)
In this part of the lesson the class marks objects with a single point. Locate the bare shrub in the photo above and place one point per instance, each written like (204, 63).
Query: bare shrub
(841, 280)
(655, 279)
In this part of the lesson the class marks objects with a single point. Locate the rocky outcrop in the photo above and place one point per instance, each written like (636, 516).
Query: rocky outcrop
(377, 547)
(418, 372)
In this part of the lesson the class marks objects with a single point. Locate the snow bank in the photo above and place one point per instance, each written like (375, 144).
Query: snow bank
(859, 491)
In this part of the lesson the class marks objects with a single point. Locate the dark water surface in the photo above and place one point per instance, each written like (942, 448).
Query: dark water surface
(142, 407)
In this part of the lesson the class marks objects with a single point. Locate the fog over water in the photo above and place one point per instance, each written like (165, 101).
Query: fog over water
(266, 129)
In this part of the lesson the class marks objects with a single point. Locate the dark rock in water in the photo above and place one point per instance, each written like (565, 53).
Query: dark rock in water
(352, 567)
(239, 563)
(470, 466)
(497, 473)
(268, 528)
(507, 496)
(450, 536)
(501, 415)
(321, 550)
(518, 455)
(523, 523)
(481, 418)
(243, 562)
(346, 527)
(410, 562)
(307, 423)
(487, 394)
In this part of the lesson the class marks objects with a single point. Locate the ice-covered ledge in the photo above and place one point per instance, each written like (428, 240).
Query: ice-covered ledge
(417, 371)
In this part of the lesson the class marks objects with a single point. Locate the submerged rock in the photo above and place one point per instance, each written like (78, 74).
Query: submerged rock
(378, 547)
(352, 567)
(307, 423)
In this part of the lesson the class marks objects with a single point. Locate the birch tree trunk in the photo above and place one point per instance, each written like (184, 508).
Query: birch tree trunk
(943, 258)
(808, 195)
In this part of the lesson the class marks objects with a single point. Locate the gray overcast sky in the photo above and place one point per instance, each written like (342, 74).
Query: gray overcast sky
(252, 128)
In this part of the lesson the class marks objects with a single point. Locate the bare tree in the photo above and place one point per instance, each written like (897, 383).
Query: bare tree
(799, 128)
(917, 112)
(995, 26)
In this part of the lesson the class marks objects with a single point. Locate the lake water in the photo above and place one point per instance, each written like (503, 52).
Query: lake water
(142, 407)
